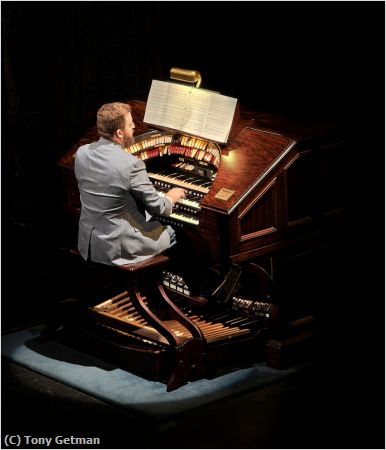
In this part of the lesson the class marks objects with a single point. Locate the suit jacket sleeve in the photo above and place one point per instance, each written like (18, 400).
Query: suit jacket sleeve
(143, 190)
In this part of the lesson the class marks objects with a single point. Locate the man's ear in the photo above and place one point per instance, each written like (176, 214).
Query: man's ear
(118, 133)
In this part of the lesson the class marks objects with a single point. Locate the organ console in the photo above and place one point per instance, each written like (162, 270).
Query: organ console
(271, 202)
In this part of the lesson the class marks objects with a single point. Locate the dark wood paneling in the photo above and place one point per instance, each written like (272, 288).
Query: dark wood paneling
(259, 216)
(215, 229)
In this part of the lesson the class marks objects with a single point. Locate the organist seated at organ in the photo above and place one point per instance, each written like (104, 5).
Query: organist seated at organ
(117, 200)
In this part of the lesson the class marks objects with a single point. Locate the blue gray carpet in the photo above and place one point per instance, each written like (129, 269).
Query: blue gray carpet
(110, 384)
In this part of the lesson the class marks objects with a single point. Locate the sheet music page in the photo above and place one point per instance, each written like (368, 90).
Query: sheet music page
(195, 111)
(166, 104)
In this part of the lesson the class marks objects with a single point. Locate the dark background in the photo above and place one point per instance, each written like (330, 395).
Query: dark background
(62, 60)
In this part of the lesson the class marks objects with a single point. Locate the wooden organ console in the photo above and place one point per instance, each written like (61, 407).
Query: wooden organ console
(271, 202)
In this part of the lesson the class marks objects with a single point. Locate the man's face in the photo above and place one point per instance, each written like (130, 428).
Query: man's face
(128, 131)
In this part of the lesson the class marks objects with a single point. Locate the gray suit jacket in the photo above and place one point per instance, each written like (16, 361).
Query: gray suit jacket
(117, 197)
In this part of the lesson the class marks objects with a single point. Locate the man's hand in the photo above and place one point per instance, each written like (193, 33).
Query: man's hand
(176, 194)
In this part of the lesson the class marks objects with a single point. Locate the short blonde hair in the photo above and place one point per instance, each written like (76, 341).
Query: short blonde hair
(111, 117)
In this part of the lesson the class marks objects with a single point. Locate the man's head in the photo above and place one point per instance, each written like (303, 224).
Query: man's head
(114, 122)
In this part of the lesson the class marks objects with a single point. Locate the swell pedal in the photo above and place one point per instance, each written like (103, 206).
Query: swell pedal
(224, 292)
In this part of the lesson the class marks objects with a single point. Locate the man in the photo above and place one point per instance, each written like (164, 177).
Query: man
(117, 196)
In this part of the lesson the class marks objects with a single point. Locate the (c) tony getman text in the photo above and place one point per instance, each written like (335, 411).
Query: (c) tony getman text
(17, 440)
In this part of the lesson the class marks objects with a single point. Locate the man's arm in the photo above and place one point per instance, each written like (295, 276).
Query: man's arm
(143, 190)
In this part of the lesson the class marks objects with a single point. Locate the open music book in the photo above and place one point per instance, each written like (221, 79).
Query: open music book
(195, 111)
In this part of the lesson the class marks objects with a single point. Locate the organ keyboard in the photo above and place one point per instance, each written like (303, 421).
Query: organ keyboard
(175, 160)
(281, 225)
(192, 184)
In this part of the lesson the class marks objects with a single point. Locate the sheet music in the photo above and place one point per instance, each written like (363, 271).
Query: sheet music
(194, 111)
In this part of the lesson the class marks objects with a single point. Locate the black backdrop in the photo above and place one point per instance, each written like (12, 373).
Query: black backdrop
(62, 60)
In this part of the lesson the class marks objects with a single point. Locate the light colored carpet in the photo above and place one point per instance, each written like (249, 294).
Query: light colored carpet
(116, 386)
